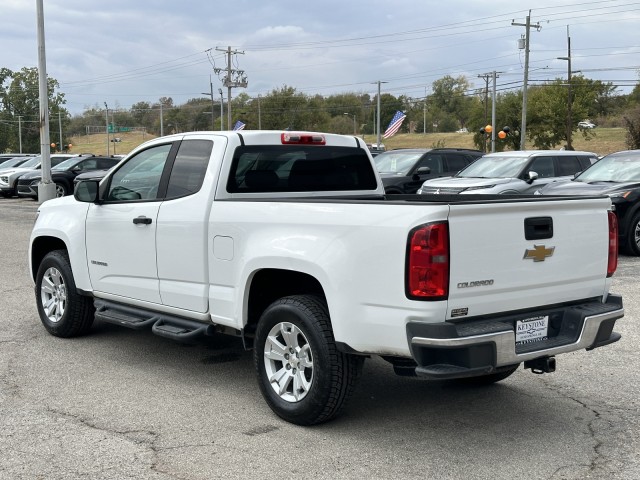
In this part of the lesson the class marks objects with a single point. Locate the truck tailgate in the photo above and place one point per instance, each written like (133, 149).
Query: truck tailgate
(525, 254)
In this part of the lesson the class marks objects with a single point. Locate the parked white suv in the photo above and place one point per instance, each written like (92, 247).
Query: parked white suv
(522, 171)
(586, 124)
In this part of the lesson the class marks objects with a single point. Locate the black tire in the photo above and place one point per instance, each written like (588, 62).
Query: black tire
(489, 379)
(61, 190)
(63, 312)
(325, 376)
(632, 245)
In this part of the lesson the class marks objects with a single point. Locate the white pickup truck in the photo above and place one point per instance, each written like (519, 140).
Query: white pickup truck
(288, 241)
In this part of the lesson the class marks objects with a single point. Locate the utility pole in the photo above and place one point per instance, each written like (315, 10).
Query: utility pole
(569, 99)
(233, 78)
(527, 25)
(424, 113)
(60, 128)
(221, 110)
(493, 112)
(485, 77)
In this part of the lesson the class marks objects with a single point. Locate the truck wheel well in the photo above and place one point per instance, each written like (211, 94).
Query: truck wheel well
(41, 246)
(268, 285)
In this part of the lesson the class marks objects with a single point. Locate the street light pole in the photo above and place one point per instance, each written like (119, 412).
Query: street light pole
(569, 99)
(213, 125)
(106, 114)
(378, 139)
(259, 114)
(46, 188)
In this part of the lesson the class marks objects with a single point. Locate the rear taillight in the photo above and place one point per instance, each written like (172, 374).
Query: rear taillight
(288, 138)
(612, 264)
(427, 275)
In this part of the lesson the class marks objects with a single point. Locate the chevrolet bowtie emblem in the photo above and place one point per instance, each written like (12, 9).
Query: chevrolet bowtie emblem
(538, 253)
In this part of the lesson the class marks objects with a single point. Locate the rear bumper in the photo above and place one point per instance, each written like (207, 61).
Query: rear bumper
(477, 347)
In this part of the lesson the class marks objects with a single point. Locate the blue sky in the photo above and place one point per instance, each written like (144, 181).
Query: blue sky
(122, 52)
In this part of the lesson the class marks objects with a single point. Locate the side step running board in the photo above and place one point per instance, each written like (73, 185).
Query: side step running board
(175, 328)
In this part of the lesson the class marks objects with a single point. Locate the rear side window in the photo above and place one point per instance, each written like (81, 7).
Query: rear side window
(586, 162)
(287, 168)
(568, 165)
(434, 162)
(543, 166)
(189, 168)
(456, 162)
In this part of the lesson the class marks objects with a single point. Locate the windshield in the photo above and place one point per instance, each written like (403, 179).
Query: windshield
(396, 162)
(494, 167)
(32, 162)
(617, 167)
(67, 164)
(14, 162)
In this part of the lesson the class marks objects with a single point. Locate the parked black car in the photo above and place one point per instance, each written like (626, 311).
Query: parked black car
(404, 170)
(618, 176)
(92, 175)
(63, 175)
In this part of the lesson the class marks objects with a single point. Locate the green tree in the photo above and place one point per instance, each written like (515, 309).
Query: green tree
(450, 98)
(20, 104)
(632, 123)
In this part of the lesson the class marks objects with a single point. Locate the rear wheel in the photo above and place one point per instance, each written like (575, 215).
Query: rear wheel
(633, 236)
(63, 312)
(301, 374)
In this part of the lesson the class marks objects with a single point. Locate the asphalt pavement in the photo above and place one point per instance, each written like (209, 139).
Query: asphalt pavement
(122, 404)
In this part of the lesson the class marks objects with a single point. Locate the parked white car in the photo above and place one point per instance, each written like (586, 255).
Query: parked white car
(586, 124)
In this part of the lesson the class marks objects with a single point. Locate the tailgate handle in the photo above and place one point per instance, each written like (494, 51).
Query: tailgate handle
(538, 228)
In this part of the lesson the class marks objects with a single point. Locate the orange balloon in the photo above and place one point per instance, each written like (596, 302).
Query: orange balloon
(488, 129)
(502, 134)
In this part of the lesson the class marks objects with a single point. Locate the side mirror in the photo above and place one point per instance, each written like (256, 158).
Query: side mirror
(421, 171)
(87, 191)
(531, 176)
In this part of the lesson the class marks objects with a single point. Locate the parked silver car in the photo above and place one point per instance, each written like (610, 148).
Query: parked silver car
(9, 176)
(522, 171)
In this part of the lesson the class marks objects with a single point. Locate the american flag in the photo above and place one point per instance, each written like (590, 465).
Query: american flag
(394, 125)
(239, 126)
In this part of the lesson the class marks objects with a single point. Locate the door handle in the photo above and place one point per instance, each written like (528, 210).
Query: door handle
(142, 219)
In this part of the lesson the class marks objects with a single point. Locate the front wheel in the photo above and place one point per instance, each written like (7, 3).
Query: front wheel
(633, 236)
(63, 311)
(61, 190)
(301, 374)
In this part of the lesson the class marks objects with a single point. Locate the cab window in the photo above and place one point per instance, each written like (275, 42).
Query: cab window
(189, 168)
(139, 178)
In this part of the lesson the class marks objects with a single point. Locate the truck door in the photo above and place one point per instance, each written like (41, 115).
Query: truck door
(121, 232)
(182, 257)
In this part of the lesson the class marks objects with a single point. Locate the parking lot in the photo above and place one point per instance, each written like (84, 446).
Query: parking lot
(123, 404)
